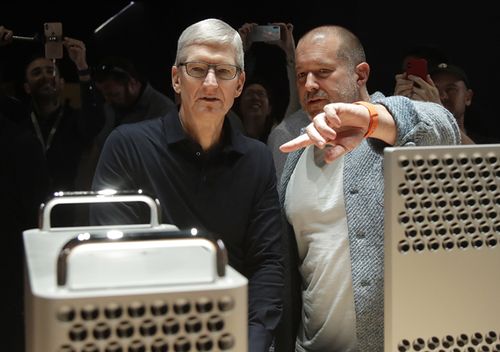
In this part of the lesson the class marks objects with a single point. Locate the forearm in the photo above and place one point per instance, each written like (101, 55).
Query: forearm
(386, 127)
(264, 266)
(265, 305)
(294, 101)
(420, 123)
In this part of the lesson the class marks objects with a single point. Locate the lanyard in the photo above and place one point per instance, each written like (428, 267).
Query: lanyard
(38, 131)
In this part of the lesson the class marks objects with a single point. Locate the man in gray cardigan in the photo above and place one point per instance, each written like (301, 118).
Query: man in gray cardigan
(332, 191)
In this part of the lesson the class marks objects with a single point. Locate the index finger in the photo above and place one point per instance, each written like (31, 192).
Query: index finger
(299, 142)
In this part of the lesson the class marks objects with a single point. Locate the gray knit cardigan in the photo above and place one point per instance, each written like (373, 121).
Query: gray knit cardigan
(417, 123)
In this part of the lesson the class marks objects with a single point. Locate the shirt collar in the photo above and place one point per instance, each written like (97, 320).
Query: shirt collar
(233, 140)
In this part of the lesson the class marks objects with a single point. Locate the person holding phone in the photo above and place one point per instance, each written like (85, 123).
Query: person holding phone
(456, 95)
(254, 108)
(24, 184)
(41, 142)
(415, 82)
(422, 66)
(277, 34)
(62, 130)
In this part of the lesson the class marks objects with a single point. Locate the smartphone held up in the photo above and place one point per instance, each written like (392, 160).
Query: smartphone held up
(266, 33)
(417, 67)
(53, 40)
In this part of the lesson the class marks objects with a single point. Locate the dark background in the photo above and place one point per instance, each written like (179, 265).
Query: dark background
(148, 31)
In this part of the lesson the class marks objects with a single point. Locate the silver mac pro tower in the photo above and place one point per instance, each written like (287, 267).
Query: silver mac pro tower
(442, 248)
(130, 288)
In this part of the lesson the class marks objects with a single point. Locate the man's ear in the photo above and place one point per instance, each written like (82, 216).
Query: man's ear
(241, 83)
(27, 88)
(468, 97)
(176, 84)
(134, 86)
(363, 72)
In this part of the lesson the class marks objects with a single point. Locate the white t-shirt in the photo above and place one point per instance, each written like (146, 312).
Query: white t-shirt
(314, 205)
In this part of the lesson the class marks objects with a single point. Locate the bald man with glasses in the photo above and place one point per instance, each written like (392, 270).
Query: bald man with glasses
(204, 171)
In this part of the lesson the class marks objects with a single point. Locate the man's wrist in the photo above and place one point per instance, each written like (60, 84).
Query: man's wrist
(372, 126)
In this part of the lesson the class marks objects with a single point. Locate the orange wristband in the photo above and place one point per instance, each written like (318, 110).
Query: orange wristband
(372, 126)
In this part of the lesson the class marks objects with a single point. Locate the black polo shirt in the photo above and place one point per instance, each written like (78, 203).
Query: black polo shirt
(229, 191)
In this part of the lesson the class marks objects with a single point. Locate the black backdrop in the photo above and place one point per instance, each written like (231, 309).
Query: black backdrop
(147, 33)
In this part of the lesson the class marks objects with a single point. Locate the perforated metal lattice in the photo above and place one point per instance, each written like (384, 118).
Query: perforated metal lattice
(451, 202)
(474, 342)
(181, 325)
(442, 248)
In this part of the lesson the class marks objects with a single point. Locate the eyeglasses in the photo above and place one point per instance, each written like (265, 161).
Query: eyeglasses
(200, 70)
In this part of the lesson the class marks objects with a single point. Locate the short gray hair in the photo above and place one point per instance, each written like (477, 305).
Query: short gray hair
(210, 31)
